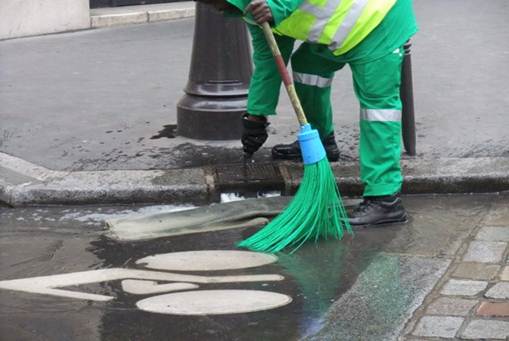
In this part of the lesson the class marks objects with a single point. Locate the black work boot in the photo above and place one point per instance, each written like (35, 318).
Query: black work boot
(379, 210)
(292, 151)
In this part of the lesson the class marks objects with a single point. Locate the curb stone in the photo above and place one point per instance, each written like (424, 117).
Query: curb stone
(115, 16)
(23, 183)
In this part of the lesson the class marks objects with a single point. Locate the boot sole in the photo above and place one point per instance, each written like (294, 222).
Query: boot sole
(386, 222)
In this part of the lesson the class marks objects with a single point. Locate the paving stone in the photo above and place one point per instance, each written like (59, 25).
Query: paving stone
(486, 329)
(505, 274)
(476, 271)
(499, 216)
(499, 291)
(494, 233)
(495, 309)
(450, 306)
(438, 326)
(458, 287)
(485, 252)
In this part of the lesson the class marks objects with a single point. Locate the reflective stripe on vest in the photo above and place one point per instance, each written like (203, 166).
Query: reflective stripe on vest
(313, 80)
(340, 24)
(347, 24)
(381, 115)
(322, 15)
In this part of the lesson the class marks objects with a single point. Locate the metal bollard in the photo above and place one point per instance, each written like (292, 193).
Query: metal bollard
(216, 93)
(407, 99)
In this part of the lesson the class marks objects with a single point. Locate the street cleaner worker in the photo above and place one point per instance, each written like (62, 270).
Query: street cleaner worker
(366, 34)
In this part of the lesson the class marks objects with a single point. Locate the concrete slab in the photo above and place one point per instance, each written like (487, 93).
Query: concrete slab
(485, 252)
(499, 291)
(429, 234)
(438, 326)
(461, 287)
(486, 329)
(494, 233)
(476, 271)
(500, 216)
(450, 306)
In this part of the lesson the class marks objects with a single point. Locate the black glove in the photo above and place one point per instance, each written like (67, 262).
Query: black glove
(254, 134)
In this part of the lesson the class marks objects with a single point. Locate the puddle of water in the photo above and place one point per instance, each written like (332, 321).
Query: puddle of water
(231, 197)
(168, 131)
(126, 213)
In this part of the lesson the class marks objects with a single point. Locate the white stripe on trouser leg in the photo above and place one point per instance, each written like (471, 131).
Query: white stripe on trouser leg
(313, 80)
(381, 115)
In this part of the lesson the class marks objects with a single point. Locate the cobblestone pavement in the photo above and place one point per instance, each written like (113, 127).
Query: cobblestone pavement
(471, 301)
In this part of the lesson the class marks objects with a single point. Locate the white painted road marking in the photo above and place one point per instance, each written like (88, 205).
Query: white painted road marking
(214, 302)
(207, 260)
(49, 285)
(141, 287)
(145, 282)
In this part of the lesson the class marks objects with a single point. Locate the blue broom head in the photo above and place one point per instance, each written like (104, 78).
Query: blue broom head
(310, 145)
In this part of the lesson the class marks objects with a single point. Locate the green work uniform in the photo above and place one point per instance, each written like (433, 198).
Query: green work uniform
(376, 69)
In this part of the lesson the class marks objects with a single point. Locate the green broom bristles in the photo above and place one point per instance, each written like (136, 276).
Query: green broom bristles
(315, 212)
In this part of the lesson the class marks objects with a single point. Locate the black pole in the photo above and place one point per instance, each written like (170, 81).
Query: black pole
(216, 93)
(407, 99)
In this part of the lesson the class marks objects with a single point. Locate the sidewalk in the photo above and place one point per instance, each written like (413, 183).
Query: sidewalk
(104, 101)
(472, 300)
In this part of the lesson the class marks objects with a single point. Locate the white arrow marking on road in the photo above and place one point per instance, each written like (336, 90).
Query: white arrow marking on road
(49, 285)
(141, 287)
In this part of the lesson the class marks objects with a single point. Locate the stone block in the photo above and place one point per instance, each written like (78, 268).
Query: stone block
(438, 326)
(499, 291)
(116, 19)
(499, 215)
(505, 274)
(494, 233)
(166, 14)
(457, 287)
(486, 329)
(493, 309)
(451, 306)
(485, 252)
(479, 271)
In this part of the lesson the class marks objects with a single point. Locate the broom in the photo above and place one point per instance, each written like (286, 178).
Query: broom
(317, 210)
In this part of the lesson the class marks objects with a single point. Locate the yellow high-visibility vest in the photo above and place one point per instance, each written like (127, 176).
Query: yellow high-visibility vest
(340, 24)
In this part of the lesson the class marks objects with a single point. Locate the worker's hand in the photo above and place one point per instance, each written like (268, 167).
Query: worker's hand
(254, 133)
(260, 10)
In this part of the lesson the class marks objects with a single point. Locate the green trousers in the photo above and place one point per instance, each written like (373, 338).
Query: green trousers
(377, 87)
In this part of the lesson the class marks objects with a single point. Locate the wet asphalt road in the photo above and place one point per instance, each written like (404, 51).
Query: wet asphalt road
(364, 287)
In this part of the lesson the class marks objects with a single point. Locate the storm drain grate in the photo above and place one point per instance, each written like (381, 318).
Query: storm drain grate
(249, 177)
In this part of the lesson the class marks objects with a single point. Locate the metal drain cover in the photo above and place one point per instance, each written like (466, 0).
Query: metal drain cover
(251, 176)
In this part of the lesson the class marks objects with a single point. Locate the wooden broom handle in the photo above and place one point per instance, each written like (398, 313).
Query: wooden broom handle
(283, 72)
